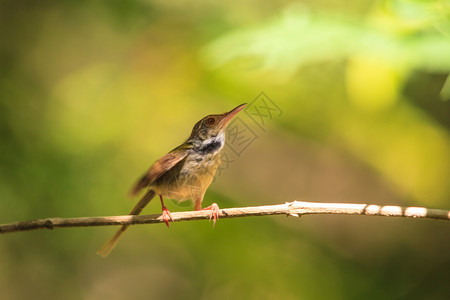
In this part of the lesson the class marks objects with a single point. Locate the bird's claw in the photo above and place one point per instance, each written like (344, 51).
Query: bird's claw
(166, 216)
(214, 208)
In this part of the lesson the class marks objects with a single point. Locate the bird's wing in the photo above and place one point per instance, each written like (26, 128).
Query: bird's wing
(160, 167)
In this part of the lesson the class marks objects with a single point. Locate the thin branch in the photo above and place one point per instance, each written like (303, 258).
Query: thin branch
(295, 209)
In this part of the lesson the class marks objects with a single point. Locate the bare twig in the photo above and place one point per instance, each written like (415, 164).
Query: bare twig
(295, 209)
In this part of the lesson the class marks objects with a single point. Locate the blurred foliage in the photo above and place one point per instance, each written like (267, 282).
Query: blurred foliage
(92, 92)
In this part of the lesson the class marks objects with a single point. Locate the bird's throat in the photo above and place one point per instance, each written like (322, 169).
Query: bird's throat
(212, 145)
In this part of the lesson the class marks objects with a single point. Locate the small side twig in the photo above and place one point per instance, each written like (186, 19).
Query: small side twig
(296, 208)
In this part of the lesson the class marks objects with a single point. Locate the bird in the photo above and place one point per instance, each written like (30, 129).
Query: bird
(185, 173)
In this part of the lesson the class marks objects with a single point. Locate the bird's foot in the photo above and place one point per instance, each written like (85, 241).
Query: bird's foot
(166, 216)
(214, 208)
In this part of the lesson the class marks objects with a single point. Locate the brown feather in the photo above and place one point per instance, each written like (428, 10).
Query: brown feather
(159, 168)
(111, 243)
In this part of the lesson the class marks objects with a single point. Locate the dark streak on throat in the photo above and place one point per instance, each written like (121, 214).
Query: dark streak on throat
(211, 147)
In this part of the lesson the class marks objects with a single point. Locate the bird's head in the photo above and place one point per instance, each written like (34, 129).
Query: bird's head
(210, 130)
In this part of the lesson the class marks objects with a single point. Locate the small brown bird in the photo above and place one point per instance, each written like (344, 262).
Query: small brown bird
(184, 173)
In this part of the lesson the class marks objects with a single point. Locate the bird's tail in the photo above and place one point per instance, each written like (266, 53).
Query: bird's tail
(111, 243)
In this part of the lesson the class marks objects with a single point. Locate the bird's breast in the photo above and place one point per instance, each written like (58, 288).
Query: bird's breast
(190, 179)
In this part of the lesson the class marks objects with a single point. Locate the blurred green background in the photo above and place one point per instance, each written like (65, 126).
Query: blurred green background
(92, 92)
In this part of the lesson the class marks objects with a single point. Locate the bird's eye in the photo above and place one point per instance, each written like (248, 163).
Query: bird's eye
(210, 121)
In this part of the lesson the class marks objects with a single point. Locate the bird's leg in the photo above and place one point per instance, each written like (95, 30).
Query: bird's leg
(214, 208)
(165, 213)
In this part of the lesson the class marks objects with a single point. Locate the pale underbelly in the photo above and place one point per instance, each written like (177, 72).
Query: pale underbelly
(188, 182)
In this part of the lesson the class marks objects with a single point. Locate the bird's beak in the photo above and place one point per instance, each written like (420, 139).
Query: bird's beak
(229, 115)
